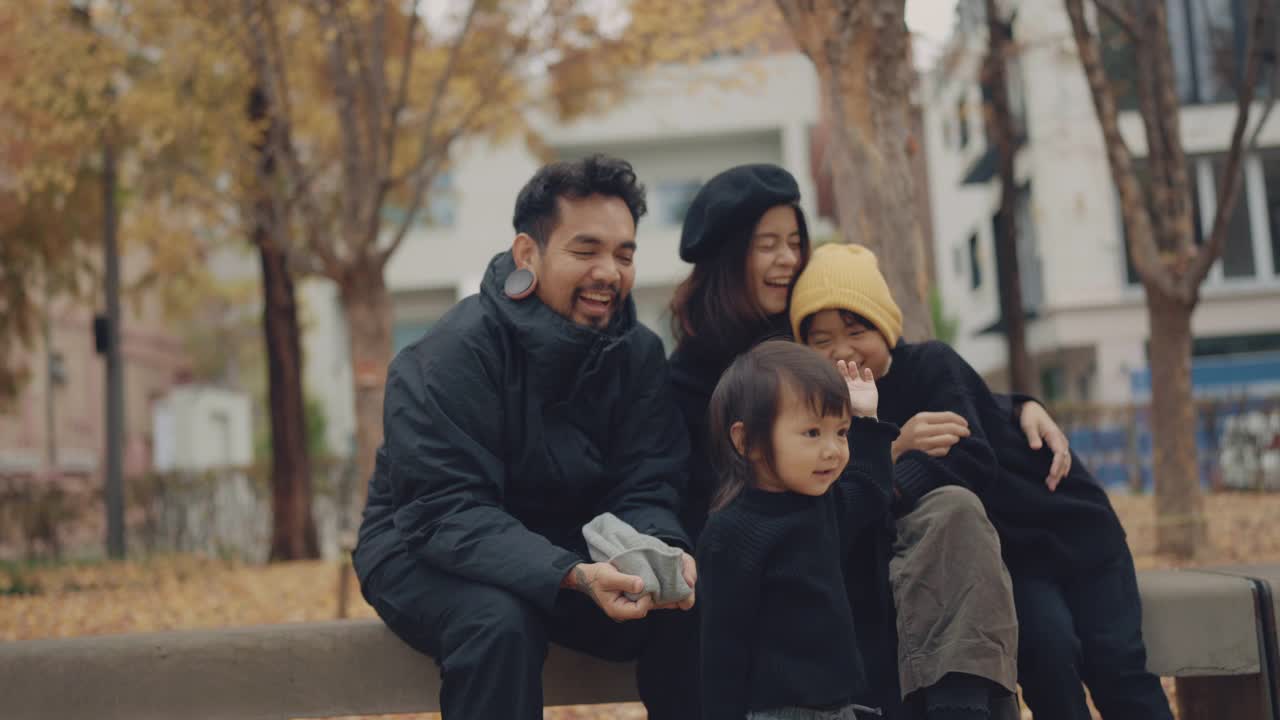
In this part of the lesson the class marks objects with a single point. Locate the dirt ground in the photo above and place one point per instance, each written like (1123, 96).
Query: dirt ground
(189, 592)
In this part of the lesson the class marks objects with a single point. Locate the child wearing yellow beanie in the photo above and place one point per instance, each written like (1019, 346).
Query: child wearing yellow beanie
(846, 277)
(950, 544)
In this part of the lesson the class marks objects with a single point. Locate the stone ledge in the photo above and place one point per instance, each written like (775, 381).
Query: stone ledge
(268, 672)
(1195, 624)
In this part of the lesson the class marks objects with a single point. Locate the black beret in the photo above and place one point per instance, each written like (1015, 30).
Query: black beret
(734, 199)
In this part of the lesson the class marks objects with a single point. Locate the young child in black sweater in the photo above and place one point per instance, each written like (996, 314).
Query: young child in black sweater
(804, 465)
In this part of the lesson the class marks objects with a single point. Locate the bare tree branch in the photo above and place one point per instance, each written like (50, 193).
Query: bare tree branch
(277, 82)
(432, 168)
(416, 170)
(1229, 183)
(346, 109)
(1159, 109)
(1142, 247)
(377, 62)
(390, 130)
(370, 92)
(442, 83)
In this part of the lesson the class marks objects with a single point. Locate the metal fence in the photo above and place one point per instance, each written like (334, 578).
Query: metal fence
(227, 511)
(1237, 443)
(219, 512)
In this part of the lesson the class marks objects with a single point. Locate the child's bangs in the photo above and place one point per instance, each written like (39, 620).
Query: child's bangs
(820, 387)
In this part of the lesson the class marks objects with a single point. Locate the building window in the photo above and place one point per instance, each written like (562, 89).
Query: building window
(442, 203)
(674, 197)
(1235, 345)
(1017, 97)
(1027, 247)
(1179, 21)
(1207, 39)
(1118, 61)
(439, 207)
(1032, 284)
(975, 264)
(1217, 38)
(1271, 178)
(404, 334)
(962, 121)
(1237, 255)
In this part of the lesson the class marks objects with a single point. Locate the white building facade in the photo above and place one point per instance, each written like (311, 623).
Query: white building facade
(678, 128)
(1088, 328)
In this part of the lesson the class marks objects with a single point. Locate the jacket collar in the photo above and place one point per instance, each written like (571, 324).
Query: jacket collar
(558, 349)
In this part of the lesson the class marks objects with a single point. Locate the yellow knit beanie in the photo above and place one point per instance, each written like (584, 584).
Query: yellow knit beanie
(846, 277)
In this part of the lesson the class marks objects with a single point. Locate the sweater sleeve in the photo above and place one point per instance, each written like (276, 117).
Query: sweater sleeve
(952, 384)
(729, 579)
(651, 460)
(866, 485)
(442, 427)
(1011, 405)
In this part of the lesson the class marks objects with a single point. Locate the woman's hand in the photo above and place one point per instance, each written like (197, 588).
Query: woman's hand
(1041, 430)
(931, 432)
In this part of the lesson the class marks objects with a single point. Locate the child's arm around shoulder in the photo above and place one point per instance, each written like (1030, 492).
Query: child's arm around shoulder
(730, 572)
(949, 383)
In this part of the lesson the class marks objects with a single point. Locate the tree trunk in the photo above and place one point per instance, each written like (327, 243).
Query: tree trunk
(1179, 504)
(862, 52)
(293, 529)
(367, 305)
(1001, 134)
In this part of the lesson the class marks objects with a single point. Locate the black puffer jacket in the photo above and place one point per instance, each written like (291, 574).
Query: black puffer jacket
(507, 428)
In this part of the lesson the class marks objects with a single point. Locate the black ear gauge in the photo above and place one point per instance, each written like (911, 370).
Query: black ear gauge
(520, 284)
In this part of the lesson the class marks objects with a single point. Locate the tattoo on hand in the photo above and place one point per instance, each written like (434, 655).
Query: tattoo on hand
(582, 583)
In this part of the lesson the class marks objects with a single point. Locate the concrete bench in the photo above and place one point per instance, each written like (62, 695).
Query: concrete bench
(1202, 627)
(1227, 694)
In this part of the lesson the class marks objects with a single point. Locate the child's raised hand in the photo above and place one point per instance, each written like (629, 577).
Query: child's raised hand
(863, 394)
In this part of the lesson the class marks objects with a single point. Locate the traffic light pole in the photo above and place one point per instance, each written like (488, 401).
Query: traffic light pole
(114, 487)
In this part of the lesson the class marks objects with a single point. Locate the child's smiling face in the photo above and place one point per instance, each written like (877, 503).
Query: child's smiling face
(809, 450)
(841, 335)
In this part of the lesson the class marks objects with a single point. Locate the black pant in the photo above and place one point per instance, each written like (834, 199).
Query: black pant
(1089, 629)
(490, 644)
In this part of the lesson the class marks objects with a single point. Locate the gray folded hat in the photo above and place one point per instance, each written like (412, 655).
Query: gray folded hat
(613, 541)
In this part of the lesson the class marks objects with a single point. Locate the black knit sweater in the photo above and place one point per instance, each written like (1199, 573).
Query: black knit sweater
(777, 629)
(1072, 530)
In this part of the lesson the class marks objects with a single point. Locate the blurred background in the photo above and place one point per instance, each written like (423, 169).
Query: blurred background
(219, 221)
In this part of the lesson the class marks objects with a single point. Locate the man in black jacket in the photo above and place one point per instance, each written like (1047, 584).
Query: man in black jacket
(529, 409)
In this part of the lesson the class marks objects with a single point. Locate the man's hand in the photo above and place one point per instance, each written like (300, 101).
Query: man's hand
(690, 577)
(932, 433)
(863, 394)
(1041, 430)
(605, 585)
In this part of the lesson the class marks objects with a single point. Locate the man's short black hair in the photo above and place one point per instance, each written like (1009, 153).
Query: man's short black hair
(537, 209)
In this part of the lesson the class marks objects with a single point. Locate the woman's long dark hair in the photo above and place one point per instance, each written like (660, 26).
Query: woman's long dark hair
(713, 307)
(750, 391)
